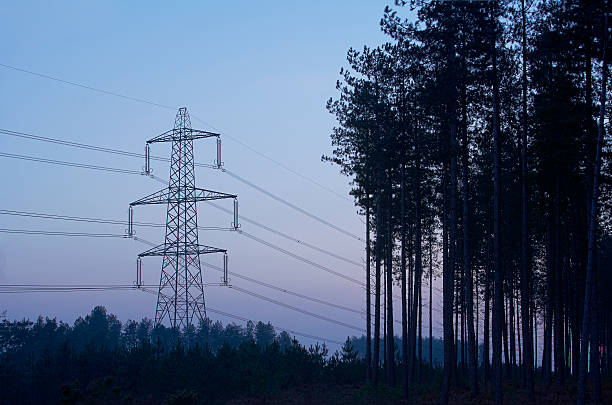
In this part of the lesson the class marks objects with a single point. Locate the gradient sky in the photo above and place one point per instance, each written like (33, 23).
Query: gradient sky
(260, 72)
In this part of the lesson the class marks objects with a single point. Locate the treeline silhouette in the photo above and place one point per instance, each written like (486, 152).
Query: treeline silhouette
(100, 360)
(477, 144)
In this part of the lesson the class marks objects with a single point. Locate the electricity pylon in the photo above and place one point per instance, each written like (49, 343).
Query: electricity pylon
(181, 290)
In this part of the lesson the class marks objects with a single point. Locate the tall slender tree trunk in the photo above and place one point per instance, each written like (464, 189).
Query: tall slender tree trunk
(588, 333)
(420, 350)
(457, 329)
(461, 312)
(384, 320)
(390, 336)
(486, 350)
(418, 260)
(548, 312)
(535, 338)
(518, 333)
(377, 273)
(505, 337)
(430, 303)
(467, 268)
(410, 276)
(498, 299)
(575, 327)
(594, 370)
(477, 310)
(511, 316)
(450, 359)
(525, 269)
(447, 295)
(404, 282)
(558, 308)
(368, 298)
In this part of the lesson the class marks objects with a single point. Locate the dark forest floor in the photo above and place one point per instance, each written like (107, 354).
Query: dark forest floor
(336, 395)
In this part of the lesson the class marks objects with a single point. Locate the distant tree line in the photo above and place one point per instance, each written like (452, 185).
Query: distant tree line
(99, 360)
(477, 144)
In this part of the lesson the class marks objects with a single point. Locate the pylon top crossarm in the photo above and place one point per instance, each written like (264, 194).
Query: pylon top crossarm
(169, 195)
(182, 134)
(172, 249)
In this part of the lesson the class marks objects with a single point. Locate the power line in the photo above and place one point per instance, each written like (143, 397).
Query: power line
(284, 290)
(140, 100)
(293, 206)
(70, 164)
(296, 309)
(57, 233)
(110, 93)
(271, 300)
(44, 288)
(300, 258)
(31, 288)
(61, 233)
(253, 237)
(288, 253)
(276, 162)
(271, 286)
(132, 154)
(89, 147)
(289, 237)
(227, 314)
(256, 295)
(97, 220)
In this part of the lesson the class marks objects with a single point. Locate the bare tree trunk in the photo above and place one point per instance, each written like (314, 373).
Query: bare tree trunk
(390, 336)
(534, 328)
(548, 312)
(430, 303)
(461, 312)
(450, 359)
(498, 299)
(594, 370)
(457, 329)
(518, 333)
(377, 275)
(418, 263)
(486, 350)
(468, 285)
(590, 142)
(589, 332)
(368, 298)
(511, 330)
(505, 336)
(558, 314)
(447, 297)
(404, 282)
(525, 267)
(477, 326)
(384, 320)
(420, 351)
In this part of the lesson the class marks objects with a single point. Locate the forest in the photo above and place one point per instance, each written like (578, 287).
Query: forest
(476, 142)
(99, 360)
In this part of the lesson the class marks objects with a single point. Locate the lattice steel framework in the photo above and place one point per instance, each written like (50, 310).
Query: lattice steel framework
(181, 290)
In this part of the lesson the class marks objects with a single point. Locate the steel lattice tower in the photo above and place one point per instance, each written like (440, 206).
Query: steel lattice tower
(181, 290)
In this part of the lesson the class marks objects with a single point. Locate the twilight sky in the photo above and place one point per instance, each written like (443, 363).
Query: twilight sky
(260, 72)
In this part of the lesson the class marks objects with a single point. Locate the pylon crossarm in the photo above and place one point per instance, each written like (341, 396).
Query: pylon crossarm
(172, 195)
(201, 194)
(181, 134)
(173, 250)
